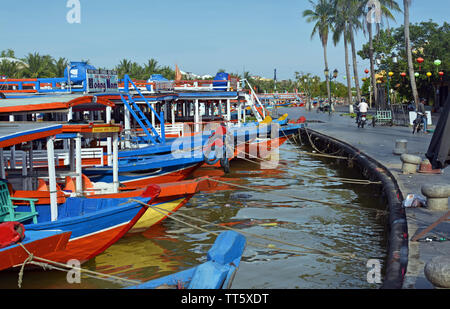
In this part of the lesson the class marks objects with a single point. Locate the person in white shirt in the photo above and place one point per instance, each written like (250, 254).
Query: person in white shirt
(363, 107)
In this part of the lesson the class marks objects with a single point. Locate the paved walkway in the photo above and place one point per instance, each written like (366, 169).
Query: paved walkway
(379, 143)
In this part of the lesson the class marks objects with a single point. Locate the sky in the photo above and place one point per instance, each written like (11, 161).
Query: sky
(200, 36)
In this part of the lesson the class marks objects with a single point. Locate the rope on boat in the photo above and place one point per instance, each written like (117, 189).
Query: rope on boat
(299, 198)
(338, 179)
(318, 153)
(323, 155)
(169, 214)
(48, 264)
(314, 146)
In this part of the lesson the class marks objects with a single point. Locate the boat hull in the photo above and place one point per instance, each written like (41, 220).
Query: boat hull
(38, 243)
(94, 232)
(162, 208)
(217, 272)
(141, 179)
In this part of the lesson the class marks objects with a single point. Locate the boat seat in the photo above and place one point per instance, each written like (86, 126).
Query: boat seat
(88, 186)
(42, 185)
(70, 184)
(74, 207)
(7, 208)
(71, 208)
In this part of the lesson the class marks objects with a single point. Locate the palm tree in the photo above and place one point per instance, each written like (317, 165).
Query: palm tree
(386, 6)
(38, 66)
(59, 66)
(9, 53)
(123, 68)
(409, 53)
(354, 11)
(10, 69)
(152, 67)
(167, 72)
(137, 72)
(10, 66)
(321, 15)
(340, 25)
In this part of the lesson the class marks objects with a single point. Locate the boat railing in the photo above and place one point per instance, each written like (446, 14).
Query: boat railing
(91, 157)
(256, 105)
(184, 85)
(34, 85)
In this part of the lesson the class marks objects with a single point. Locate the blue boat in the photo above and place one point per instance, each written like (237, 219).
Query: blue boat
(217, 272)
(139, 171)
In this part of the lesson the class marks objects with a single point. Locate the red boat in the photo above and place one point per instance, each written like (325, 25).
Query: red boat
(38, 243)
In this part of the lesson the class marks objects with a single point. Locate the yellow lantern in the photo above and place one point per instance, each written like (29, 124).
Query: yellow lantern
(429, 74)
(391, 74)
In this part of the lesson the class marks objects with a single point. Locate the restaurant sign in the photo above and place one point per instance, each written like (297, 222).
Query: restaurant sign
(101, 81)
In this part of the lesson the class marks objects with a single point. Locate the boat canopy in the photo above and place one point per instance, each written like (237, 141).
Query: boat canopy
(16, 133)
(42, 103)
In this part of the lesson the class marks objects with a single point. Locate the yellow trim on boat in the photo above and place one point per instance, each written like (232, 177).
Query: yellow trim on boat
(151, 217)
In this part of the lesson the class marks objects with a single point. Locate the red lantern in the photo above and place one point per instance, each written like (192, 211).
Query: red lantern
(441, 74)
(366, 71)
(420, 60)
(403, 74)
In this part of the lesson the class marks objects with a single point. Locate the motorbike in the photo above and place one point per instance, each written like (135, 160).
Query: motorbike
(362, 120)
(323, 108)
(418, 123)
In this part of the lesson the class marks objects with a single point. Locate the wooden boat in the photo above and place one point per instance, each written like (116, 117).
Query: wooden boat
(95, 224)
(217, 272)
(172, 196)
(38, 243)
(135, 255)
(141, 171)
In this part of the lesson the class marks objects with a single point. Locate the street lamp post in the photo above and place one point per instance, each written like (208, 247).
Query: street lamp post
(306, 88)
(331, 77)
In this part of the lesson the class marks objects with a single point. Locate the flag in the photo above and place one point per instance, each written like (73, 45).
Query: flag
(177, 73)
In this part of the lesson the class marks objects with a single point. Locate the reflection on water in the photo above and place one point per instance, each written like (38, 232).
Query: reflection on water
(172, 246)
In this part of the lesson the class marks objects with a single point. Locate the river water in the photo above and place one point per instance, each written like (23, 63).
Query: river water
(173, 246)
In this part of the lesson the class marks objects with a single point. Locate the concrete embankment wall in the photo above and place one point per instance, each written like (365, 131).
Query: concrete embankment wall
(397, 230)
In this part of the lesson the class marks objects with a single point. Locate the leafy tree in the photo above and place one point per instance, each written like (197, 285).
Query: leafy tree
(429, 41)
